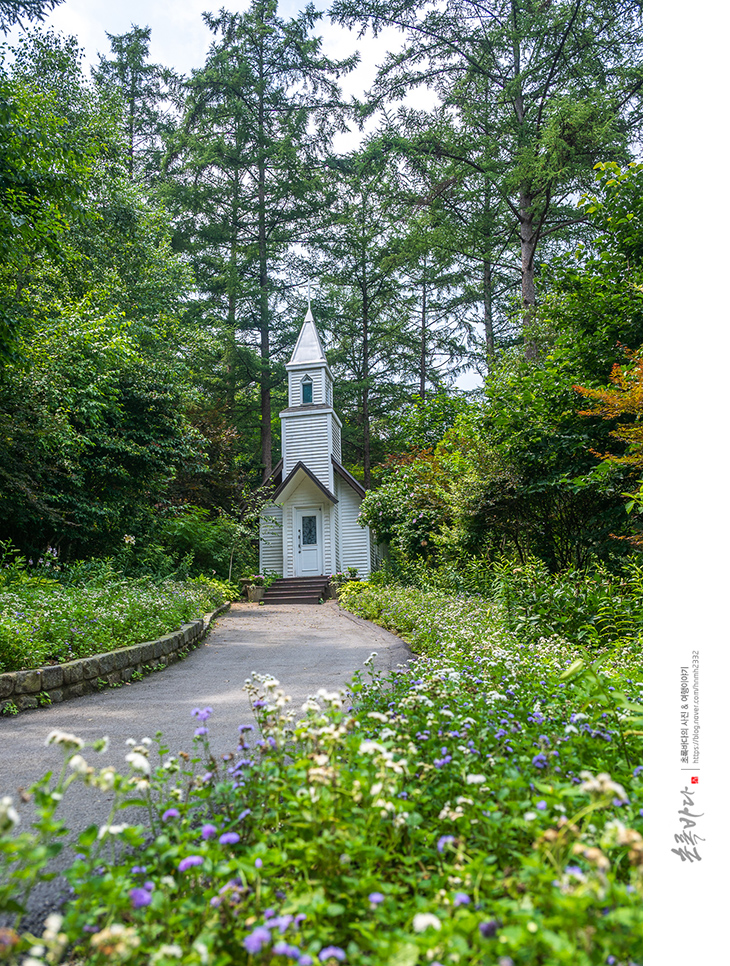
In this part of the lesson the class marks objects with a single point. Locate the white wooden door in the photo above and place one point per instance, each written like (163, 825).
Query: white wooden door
(308, 549)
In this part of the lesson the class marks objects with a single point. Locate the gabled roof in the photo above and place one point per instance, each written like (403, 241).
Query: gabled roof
(275, 475)
(308, 350)
(348, 478)
(298, 473)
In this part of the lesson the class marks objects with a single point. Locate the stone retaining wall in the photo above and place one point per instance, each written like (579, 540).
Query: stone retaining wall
(21, 690)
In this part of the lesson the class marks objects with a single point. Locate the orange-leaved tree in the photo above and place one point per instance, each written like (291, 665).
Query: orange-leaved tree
(623, 401)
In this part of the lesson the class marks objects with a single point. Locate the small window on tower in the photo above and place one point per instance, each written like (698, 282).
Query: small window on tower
(306, 390)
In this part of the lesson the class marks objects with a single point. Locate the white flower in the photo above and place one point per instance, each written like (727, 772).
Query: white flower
(78, 764)
(138, 762)
(371, 748)
(64, 738)
(111, 830)
(378, 716)
(167, 950)
(424, 920)
(53, 926)
(202, 950)
(475, 779)
(9, 818)
(105, 778)
(530, 816)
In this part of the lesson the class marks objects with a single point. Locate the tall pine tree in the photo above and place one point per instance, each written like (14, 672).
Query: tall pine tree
(243, 178)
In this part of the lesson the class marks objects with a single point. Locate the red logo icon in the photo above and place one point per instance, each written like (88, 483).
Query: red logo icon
(694, 780)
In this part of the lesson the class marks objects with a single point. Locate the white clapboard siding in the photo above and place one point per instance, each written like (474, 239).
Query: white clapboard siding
(336, 527)
(307, 439)
(306, 495)
(317, 375)
(354, 539)
(271, 550)
(336, 441)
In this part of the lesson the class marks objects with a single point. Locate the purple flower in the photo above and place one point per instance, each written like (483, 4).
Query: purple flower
(243, 728)
(539, 761)
(376, 898)
(488, 929)
(244, 813)
(139, 869)
(140, 897)
(170, 813)
(305, 960)
(208, 831)
(638, 771)
(461, 899)
(258, 863)
(229, 838)
(202, 714)
(444, 841)
(285, 949)
(332, 952)
(541, 806)
(189, 862)
(255, 941)
(201, 731)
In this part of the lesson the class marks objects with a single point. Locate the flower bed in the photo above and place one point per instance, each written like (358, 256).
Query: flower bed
(46, 623)
(481, 806)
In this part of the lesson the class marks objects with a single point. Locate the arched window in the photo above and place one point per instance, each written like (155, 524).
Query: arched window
(306, 390)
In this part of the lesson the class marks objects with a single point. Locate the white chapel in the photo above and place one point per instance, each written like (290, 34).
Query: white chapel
(310, 528)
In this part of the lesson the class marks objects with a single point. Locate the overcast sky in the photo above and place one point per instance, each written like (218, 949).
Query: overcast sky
(180, 39)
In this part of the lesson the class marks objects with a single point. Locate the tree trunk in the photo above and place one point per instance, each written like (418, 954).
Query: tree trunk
(488, 310)
(266, 458)
(265, 333)
(424, 336)
(528, 245)
(232, 321)
(366, 383)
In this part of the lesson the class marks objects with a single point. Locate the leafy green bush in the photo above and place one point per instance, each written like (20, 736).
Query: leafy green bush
(591, 607)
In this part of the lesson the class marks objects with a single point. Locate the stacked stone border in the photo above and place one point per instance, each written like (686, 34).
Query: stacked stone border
(23, 690)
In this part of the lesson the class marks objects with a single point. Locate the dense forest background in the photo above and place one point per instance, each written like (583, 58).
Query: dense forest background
(160, 232)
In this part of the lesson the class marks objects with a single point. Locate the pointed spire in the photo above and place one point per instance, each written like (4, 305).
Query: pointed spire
(308, 350)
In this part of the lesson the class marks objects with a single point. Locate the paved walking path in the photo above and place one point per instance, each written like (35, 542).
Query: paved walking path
(304, 647)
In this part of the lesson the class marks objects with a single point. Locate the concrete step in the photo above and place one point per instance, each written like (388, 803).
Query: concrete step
(297, 590)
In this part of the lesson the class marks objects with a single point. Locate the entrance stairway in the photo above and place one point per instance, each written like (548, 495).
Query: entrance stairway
(297, 590)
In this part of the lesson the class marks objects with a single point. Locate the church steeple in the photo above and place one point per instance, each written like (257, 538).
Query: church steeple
(310, 379)
(308, 350)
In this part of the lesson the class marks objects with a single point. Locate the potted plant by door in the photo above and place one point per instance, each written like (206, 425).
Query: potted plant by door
(256, 588)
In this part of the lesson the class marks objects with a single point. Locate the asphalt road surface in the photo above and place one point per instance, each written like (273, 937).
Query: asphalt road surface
(304, 647)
